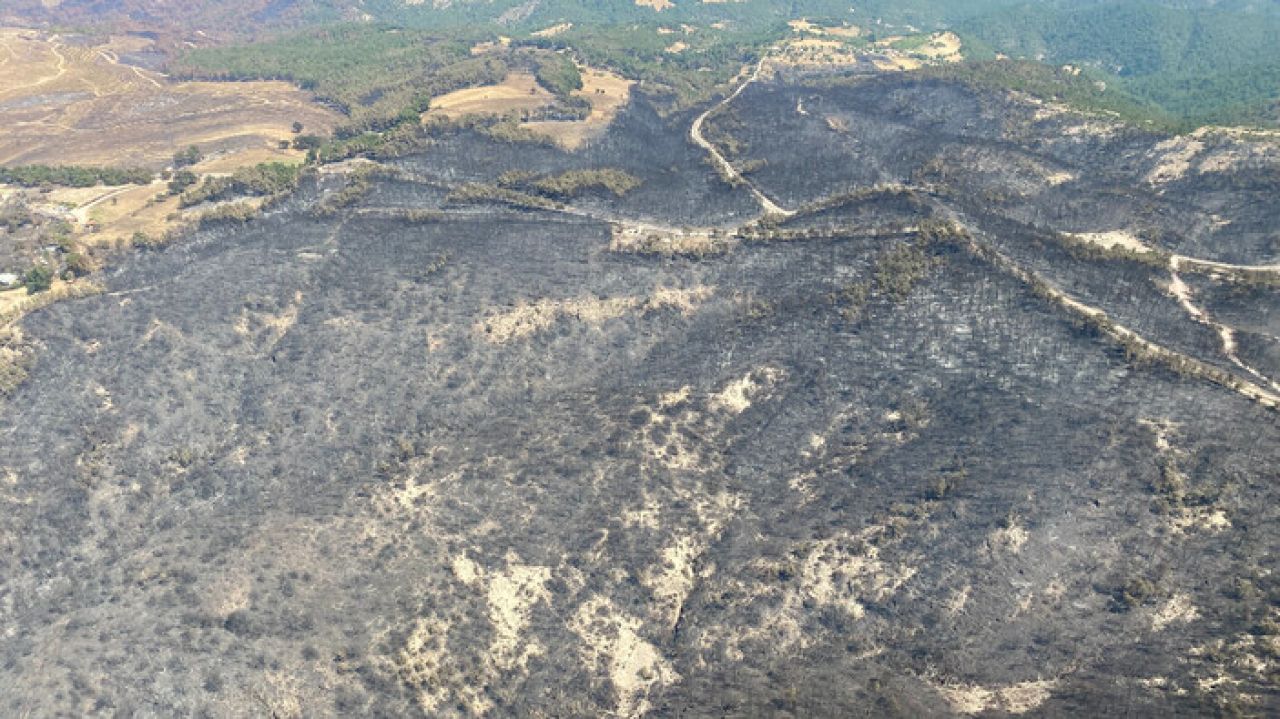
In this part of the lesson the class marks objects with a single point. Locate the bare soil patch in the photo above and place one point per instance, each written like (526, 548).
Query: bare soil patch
(519, 91)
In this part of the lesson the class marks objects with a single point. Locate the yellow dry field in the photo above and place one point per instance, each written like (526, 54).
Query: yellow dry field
(822, 46)
(519, 91)
(64, 104)
(814, 51)
(226, 163)
(805, 27)
(893, 61)
(843, 31)
(657, 5)
(553, 30)
(118, 212)
(111, 216)
(488, 46)
(943, 46)
(16, 302)
(940, 47)
(677, 47)
(607, 92)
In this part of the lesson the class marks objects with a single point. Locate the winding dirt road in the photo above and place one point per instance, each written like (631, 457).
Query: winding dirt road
(1182, 292)
(695, 133)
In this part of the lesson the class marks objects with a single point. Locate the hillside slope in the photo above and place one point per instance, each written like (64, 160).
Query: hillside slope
(948, 440)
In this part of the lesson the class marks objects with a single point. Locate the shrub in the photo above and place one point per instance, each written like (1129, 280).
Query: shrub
(38, 279)
(189, 156)
(78, 264)
(181, 180)
(575, 182)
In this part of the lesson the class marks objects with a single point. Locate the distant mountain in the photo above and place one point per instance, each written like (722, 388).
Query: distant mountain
(249, 17)
(216, 17)
(1199, 63)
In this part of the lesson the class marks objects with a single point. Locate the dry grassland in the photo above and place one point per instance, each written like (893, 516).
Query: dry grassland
(519, 91)
(607, 92)
(58, 103)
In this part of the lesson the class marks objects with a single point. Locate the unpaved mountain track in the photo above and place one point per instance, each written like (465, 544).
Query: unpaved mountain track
(1258, 387)
(1182, 292)
(61, 71)
(114, 59)
(1212, 264)
(727, 169)
(1267, 394)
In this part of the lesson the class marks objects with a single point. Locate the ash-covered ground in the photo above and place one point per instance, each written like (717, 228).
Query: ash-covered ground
(883, 457)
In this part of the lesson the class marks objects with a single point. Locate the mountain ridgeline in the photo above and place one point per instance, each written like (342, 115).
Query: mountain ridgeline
(1184, 64)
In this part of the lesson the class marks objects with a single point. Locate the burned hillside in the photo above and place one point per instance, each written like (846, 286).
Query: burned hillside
(986, 425)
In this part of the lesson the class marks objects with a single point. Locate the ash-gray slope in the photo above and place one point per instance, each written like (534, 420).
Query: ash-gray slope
(367, 465)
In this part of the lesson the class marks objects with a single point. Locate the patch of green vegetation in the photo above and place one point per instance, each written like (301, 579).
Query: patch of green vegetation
(373, 74)
(576, 182)
(16, 359)
(181, 180)
(73, 176)
(1084, 250)
(189, 156)
(1187, 63)
(239, 212)
(1197, 66)
(38, 279)
(911, 43)
(14, 213)
(1057, 84)
(268, 178)
(1135, 592)
(558, 74)
(476, 192)
(899, 270)
(637, 51)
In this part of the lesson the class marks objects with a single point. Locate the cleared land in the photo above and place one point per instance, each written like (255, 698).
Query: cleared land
(818, 46)
(58, 101)
(607, 92)
(520, 91)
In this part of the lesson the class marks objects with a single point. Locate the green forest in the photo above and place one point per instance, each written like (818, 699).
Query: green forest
(73, 176)
(1192, 66)
(1179, 65)
(372, 74)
